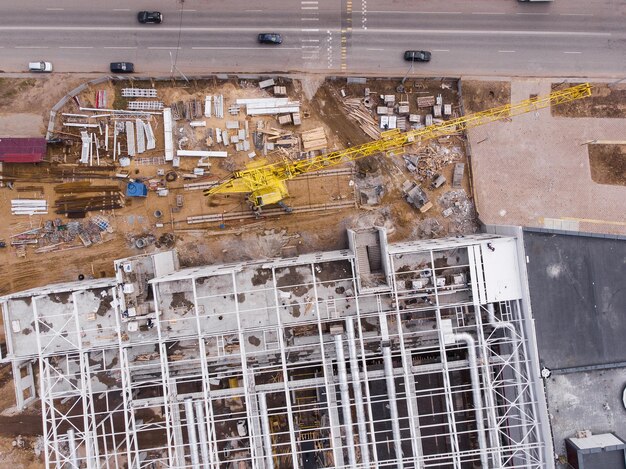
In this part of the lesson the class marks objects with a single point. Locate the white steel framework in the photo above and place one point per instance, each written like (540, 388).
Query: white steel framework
(407, 355)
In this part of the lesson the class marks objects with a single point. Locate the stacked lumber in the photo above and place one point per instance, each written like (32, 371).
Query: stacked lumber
(314, 139)
(83, 186)
(362, 115)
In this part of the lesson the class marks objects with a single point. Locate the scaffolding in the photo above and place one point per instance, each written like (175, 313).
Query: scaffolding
(424, 357)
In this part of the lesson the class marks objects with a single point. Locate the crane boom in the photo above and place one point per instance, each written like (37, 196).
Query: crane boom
(266, 183)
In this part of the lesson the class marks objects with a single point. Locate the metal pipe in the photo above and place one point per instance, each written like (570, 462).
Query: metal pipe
(393, 404)
(204, 441)
(191, 433)
(345, 398)
(476, 394)
(267, 437)
(358, 393)
(72, 444)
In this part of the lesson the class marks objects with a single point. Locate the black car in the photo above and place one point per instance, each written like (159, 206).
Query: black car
(122, 67)
(417, 56)
(150, 17)
(270, 38)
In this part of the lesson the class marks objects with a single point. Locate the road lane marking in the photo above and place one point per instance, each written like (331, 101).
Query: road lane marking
(76, 47)
(371, 48)
(310, 30)
(419, 12)
(533, 14)
(119, 47)
(310, 8)
(278, 49)
(506, 51)
(310, 19)
(356, 31)
(309, 3)
(121, 9)
(309, 40)
(487, 13)
(441, 50)
(253, 11)
(572, 52)
(55, 9)
(576, 14)
(164, 48)
(31, 47)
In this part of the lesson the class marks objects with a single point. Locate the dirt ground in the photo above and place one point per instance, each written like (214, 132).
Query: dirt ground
(236, 240)
(606, 101)
(608, 164)
(482, 95)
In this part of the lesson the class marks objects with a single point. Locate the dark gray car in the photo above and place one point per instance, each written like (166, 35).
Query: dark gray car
(122, 67)
(270, 38)
(417, 55)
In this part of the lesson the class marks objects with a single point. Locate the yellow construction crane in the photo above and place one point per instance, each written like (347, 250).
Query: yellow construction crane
(265, 184)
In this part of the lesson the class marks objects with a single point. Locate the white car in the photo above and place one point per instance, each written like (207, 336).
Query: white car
(39, 66)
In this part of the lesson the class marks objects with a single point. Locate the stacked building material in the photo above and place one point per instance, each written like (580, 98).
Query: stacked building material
(269, 106)
(29, 206)
(362, 115)
(314, 139)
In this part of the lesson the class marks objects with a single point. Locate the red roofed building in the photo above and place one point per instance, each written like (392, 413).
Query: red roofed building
(22, 150)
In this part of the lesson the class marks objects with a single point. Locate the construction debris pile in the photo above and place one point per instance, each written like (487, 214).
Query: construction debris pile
(56, 235)
(459, 210)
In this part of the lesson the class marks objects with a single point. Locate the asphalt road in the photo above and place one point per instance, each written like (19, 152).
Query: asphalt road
(477, 37)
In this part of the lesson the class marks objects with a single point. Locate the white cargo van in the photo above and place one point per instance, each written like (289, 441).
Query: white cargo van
(39, 67)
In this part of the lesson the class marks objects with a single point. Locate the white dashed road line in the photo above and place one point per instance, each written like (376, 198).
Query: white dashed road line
(572, 52)
(506, 51)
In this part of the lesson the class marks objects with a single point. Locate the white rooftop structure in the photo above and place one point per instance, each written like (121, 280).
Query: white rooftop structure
(409, 355)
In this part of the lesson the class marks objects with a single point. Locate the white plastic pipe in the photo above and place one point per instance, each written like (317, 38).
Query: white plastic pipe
(204, 442)
(345, 398)
(358, 393)
(191, 432)
(72, 444)
(267, 437)
(393, 404)
(476, 393)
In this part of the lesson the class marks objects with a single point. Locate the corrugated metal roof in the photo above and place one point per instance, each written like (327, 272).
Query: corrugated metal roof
(22, 150)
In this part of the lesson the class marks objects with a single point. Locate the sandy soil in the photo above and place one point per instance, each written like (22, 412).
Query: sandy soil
(608, 164)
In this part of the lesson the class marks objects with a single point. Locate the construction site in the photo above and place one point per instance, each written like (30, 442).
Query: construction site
(271, 272)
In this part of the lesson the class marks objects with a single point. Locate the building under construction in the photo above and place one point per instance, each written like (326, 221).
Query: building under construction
(409, 355)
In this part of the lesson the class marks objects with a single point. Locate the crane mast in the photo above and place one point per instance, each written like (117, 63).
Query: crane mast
(266, 183)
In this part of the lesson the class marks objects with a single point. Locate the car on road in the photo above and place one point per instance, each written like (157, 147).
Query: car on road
(39, 66)
(417, 55)
(122, 67)
(153, 17)
(270, 38)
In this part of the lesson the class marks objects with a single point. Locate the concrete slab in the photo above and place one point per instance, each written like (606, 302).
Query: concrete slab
(535, 167)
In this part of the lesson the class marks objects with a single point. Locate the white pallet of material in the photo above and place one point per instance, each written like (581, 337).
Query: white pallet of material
(447, 109)
(139, 92)
(145, 105)
(263, 102)
(296, 118)
(151, 141)
(241, 134)
(218, 106)
(392, 122)
(141, 138)
(218, 135)
(80, 124)
(234, 139)
(169, 137)
(239, 146)
(246, 145)
(225, 138)
(207, 106)
(232, 124)
(273, 110)
(266, 83)
(130, 138)
(202, 154)
(84, 151)
(197, 123)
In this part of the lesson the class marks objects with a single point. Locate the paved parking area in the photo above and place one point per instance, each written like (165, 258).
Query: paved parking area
(534, 170)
